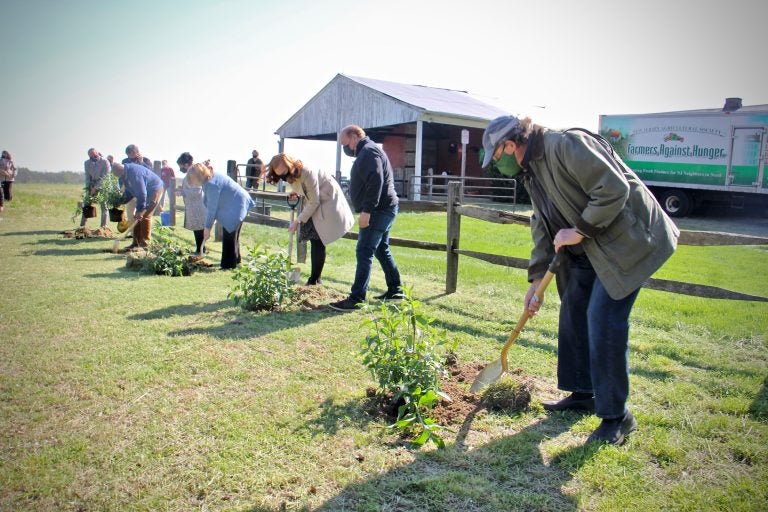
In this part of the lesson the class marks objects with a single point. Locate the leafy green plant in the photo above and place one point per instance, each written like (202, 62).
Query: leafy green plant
(87, 200)
(261, 283)
(109, 192)
(405, 353)
(167, 255)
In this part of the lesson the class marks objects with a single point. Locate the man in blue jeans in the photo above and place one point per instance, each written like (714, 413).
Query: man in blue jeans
(588, 204)
(372, 190)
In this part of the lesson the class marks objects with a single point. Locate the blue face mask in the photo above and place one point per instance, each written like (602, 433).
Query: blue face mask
(507, 165)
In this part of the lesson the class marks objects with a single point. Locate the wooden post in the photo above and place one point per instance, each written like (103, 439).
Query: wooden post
(156, 166)
(452, 238)
(232, 170)
(172, 201)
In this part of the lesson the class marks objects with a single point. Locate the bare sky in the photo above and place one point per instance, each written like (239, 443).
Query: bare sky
(217, 78)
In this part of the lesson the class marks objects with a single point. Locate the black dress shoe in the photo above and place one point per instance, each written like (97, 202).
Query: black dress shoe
(573, 402)
(614, 430)
(391, 295)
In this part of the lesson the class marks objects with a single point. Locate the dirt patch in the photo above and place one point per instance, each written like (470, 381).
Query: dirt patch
(310, 298)
(456, 385)
(86, 232)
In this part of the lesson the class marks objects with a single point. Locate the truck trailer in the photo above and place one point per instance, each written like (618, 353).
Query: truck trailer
(693, 158)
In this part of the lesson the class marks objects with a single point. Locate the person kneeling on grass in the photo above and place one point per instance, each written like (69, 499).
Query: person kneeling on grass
(589, 204)
(325, 216)
(226, 202)
(146, 187)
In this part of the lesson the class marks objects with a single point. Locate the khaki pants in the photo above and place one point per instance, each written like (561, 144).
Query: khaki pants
(142, 232)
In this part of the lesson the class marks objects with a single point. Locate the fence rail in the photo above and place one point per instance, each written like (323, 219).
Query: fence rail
(455, 210)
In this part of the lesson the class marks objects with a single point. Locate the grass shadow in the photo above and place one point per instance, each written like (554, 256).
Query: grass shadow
(661, 375)
(70, 252)
(32, 233)
(181, 310)
(504, 474)
(759, 406)
(245, 325)
(334, 416)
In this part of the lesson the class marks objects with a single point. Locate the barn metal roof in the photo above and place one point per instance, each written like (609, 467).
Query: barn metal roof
(374, 103)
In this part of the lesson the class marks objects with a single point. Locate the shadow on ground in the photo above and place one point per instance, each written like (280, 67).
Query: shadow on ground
(759, 406)
(32, 233)
(505, 474)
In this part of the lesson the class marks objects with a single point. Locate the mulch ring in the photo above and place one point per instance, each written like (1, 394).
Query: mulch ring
(456, 385)
(310, 298)
(85, 232)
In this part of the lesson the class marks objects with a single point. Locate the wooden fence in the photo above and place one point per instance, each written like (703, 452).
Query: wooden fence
(452, 247)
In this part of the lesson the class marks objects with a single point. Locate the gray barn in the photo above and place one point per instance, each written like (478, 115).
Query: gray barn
(419, 127)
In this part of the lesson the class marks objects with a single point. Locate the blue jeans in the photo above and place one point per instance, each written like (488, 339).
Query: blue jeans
(593, 340)
(374, 241)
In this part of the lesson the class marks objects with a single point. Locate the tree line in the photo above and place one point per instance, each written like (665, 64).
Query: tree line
(24, 175)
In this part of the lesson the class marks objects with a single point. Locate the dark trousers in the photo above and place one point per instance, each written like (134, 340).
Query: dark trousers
(593, 340)
(230, 248)
(7, 192)
(199, 233)
(317, 252)
(374, 241)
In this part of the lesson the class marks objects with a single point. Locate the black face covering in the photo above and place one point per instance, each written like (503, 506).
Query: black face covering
(347, 151)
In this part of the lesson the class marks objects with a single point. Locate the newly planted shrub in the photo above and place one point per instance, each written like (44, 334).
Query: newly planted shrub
(168, 255)
(405, 354)
(261, 283)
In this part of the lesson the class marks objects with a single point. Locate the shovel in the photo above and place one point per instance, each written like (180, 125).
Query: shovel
(123, 236)
(496, 369)
(295, 273)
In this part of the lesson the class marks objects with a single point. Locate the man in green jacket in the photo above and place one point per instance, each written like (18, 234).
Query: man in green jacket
(589, 204)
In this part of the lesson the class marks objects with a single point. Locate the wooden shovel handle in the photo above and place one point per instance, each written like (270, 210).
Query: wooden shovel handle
(556, 261)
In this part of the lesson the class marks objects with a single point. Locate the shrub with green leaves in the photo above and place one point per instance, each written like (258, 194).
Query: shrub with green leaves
(261, 282)
(109, 192)
(168, 254)
(405, 354)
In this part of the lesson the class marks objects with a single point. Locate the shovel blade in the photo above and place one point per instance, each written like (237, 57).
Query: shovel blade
(489, 375)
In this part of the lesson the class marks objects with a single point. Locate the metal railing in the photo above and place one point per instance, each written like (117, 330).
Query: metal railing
(473, 189)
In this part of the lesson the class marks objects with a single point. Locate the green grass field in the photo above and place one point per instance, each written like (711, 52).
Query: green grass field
(127, 391)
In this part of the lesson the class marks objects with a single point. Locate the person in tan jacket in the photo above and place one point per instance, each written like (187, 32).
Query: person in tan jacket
(325, 216)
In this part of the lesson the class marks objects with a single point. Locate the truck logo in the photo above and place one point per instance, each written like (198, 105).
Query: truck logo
(613, 135)
(672, 136)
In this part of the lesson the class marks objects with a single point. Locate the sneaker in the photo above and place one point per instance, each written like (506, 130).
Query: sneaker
(310, 282)
(392, 295)
(573, 402)
(348, 304)
(614, 430)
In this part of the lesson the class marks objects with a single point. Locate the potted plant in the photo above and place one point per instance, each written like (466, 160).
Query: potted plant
(110, 194)
(85, 206)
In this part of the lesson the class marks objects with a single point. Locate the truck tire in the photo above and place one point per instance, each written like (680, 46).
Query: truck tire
(676, 202)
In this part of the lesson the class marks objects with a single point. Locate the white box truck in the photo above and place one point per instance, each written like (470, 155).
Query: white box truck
(694, 157)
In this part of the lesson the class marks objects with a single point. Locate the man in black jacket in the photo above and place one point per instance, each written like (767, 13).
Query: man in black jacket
(372, 190)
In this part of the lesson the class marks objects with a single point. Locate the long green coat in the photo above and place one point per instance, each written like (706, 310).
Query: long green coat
(628, 236)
